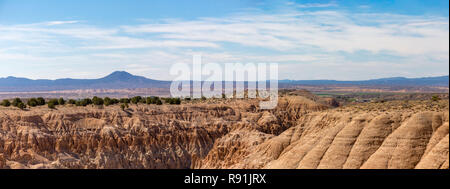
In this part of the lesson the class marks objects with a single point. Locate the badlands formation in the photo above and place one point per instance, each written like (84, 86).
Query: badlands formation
(303, 132)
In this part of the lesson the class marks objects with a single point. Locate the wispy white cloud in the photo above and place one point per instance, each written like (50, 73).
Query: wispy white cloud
(314, 5)
(52, 23)
(312, 41)
(331, 31)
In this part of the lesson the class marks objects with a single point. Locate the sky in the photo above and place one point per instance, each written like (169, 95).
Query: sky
(342, 40)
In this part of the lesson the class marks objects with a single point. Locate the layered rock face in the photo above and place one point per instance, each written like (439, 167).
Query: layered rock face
(343, 138)
(299, 133)
(141, 138)
(144, 136)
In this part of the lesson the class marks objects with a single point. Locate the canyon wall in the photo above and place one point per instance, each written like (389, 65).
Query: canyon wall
(299, 133)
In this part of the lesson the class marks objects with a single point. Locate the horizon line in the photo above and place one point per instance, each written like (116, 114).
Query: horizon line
(226, 80)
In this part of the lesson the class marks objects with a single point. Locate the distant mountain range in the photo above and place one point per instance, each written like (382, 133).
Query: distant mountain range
(125, 80)
(115, 80)
(392, 81)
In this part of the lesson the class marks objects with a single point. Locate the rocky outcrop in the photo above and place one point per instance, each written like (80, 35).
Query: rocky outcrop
(304, 133)
(144, 136)
(336, 140)
(88, 138)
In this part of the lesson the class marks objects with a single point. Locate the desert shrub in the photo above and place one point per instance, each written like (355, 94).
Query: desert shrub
(40, 101)
(110, 101)
(203, 98)
(61, 101)
(97, 101)
(124, 100)
(107, 101)
(6, 103)
(54, 101)
(21, 106)
(435, 98)
(187, 98)
(87, 101)
(16, 102)
(114, 101)
(51, 105)
(176, 101)
(84, 102)
(158, 102)
(123, 106)
(72, 101)
(173, 100)
(136, 99)
(152, 100)
(148, 100)
(168, 100)
(223, 95)
(32, 102)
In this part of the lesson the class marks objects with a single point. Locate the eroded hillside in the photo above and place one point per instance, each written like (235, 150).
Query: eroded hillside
(301, 132)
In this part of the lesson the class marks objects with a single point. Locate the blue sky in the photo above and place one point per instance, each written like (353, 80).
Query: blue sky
(344, 40)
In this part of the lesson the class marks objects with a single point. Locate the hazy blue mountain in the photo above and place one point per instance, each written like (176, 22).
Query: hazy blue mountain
(393, 81)
(115, 80)
(125, 80)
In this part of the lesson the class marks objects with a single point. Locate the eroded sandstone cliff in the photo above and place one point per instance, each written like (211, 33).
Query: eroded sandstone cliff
(400, 136)
(300, 133)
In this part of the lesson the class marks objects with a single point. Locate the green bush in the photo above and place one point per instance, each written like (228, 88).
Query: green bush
(53, 101)
(110, 101)
(21, 106)
(83, 102)
(72, 101)
(172, 100)
(32, 102)
(123, 106)
(435, 98)
(51, 105)
(97, 101)
(40, 101)
(16, 102)
(107, 101)
(124, 100)
(114, 101)
(136, 99)
(158, 102)
(148, 100)
(6, 103)
(152, 100)
(61, 101)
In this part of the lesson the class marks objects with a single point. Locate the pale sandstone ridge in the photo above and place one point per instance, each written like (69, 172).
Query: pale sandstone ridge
(350, 138)
(144, 136)
(302, 132)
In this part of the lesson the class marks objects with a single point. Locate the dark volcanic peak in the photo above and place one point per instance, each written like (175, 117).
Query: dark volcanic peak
(119, 75)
